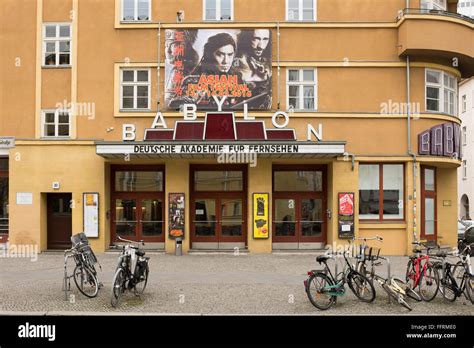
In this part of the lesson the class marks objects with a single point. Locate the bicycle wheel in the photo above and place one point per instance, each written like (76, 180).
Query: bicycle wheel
(396, 296)
(410, 276)
(118, 287)
(408, 290)
(459, 274)
(86, 281)
(139, 287)
(361, 286)
(429, 283)
(317, 290)
(446, 285)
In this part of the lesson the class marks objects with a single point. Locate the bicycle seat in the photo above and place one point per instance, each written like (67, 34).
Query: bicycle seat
(441, 254)
(322, 258)
(140, 253)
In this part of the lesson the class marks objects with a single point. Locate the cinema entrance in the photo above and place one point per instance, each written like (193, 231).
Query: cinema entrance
(299, 207)
(218, 206)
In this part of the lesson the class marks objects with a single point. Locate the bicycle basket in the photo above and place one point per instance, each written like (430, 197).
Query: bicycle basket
(78, 239)
(372, 253)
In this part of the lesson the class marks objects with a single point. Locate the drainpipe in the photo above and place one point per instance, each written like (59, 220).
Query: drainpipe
(158, 101)
(410, 153)
(278, 65)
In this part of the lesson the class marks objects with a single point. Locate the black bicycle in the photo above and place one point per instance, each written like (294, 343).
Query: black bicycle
(456, 279)
(132, 271)
(84, 274)
(324, 287)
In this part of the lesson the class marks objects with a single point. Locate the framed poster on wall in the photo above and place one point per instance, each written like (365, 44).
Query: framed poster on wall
(346, 215)
(90, 210)
(260, 216)
(176, 222)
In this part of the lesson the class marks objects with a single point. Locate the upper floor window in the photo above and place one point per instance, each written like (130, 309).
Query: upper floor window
(439, 5)
(301, 89)
(56, 124)
(57, 44)
(464, 169)
(464, 135)
(441, 92)
(301, 10)
(135, 89)
(136, 10)
(215, 10)
(464, 103)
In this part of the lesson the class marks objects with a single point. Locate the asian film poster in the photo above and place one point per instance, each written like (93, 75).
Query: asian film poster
(176, 215)
(231, 63)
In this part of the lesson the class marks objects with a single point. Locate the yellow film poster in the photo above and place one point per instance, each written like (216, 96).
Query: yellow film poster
(260, 216)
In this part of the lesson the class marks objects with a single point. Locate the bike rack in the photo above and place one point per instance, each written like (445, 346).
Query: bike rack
(389, 276)
(67, 279)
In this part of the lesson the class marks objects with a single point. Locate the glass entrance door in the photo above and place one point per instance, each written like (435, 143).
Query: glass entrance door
(218, 216)
(138, 203)
(299, 204)
(428, 204)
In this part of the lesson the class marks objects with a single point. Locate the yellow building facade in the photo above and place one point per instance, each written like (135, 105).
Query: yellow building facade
(355, 109)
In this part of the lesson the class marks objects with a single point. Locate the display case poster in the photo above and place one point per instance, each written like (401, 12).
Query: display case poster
(176, 215)
(260, 216)
(91, 214)
(346, 203)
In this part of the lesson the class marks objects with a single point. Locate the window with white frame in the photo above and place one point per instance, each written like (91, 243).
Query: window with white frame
(57, 44)
(215, 10)
(464, 169)
(136, 10)
(301, 10)
(464, 135)
(439, 5)
(301, 91)
(441, 92)
(464, 103)
(135, 89)
(56, 123)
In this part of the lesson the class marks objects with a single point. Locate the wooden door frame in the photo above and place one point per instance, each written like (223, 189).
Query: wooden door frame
(49, 197)
(429, 194)
(138, 196)
(299, 196)
(217, 196)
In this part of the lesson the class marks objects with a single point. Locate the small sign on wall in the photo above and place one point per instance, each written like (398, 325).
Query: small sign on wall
(260, 216)
(90, 205)
(24, 198)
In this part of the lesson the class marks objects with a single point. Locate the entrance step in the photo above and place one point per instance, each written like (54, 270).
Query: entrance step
(299, 252)
(216, 252)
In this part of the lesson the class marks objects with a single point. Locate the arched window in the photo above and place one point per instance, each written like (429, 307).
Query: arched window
(465, 208)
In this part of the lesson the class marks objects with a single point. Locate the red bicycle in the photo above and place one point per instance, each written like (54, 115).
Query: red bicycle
(421, 273)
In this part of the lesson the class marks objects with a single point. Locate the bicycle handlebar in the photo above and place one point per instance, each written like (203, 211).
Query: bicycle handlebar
(377, 237)
(131, 241)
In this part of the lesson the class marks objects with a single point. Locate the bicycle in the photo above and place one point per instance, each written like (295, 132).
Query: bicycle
(84, 274)
(394, 287)
(132, 258)
(421, 273)
(323, 287)
(456, 279)
(362, 254)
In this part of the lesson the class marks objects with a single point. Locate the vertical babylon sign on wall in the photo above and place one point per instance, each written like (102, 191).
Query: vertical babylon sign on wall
(441, 140)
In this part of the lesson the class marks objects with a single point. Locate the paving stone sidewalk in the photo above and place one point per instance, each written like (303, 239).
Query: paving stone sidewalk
(198, 284)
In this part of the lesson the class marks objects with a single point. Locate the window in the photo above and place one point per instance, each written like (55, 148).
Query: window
(464, 135)
(215, 10)
(439, 5)
(4, 195)
(138, 181)
(56, 124)
(464, 103)
(381, 195)
(57, 44)
(135, 89)
(222, 181)
(464, 169)
(136, 10)
(301, 10)
(441, 92)
(301, 89)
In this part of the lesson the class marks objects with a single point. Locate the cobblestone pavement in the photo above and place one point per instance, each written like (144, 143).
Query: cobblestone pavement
(198, 284)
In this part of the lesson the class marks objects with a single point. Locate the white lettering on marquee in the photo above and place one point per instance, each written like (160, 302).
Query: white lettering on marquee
(318, 134)
(189, 109)
(280, 113)
(129, 132)
(159, 121)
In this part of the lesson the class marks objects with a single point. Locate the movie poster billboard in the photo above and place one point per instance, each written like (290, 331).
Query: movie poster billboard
(176, 215)
(231, 63)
